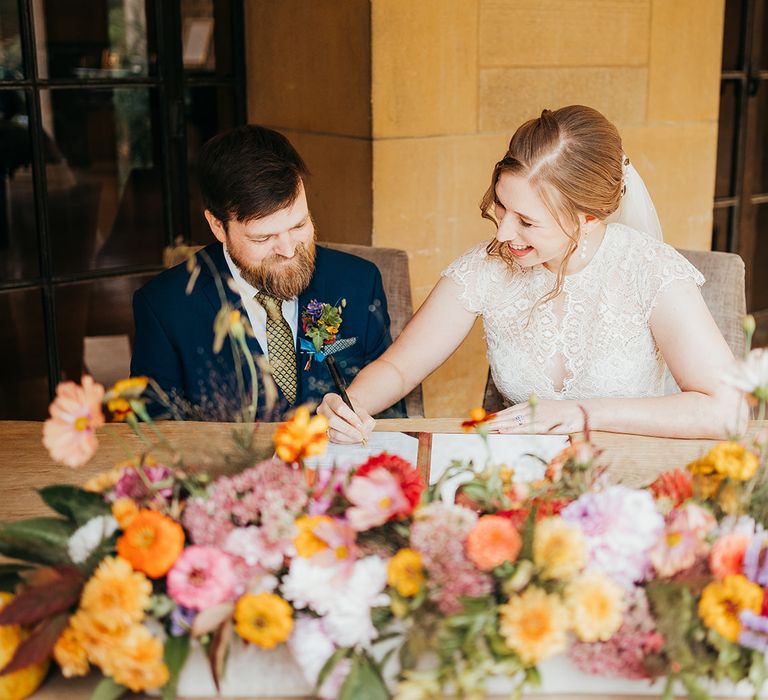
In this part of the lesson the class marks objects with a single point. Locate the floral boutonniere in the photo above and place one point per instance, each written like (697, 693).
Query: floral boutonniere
(321, 323)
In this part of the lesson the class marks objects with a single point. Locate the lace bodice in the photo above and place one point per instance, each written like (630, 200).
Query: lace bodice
(594, 339)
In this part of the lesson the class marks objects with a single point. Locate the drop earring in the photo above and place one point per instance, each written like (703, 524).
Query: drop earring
(583, 246)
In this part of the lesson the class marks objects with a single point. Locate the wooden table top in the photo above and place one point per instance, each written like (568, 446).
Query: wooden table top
(25, 466)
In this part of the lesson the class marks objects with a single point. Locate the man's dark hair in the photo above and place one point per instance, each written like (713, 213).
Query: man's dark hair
(249, 172)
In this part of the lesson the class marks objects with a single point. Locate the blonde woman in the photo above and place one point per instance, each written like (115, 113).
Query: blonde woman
(578, 307)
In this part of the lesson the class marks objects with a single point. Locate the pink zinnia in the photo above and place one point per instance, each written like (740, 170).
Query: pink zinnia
(727, 555)
(70, 433)
(201, 578)
(375, 498)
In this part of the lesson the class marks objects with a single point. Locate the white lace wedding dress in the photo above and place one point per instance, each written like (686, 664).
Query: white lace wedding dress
(593, 340)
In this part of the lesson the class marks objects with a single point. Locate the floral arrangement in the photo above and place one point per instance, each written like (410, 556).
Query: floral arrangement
(377, 586)
(321, 323)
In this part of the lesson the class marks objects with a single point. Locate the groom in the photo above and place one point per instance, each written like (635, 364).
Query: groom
(267, 266)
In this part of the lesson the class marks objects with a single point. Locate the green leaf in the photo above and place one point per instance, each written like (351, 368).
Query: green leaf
(692, 687)
(329, 665)
(175, 652)
(363, 681)
(74, 503)
(40, 540)
(107, 689)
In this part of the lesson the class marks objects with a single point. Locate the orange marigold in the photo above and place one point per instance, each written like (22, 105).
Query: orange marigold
(492, 541)
(151, 543)
(301, 436)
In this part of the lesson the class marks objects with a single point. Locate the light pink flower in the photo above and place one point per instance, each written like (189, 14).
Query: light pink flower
(340, 538)
(683, 539)
(201, 578)
(375, 498)
(69, 434)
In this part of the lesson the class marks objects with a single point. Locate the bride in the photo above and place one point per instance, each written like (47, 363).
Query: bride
(582, 303)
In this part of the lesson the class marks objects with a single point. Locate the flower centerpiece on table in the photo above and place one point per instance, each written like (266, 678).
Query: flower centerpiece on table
(371, 582)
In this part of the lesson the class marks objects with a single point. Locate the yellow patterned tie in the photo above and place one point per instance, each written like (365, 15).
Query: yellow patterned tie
(280, 346)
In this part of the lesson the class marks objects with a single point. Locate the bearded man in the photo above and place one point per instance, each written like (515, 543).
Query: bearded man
(265, 265)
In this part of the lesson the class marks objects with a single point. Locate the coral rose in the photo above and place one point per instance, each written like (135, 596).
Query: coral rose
(492, 541)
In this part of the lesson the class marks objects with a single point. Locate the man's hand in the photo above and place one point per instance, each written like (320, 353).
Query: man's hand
(345, 426)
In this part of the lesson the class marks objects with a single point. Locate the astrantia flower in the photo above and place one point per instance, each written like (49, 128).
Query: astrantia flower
(144, 485)
(750, 375)
(151, 543)
(596, 604)
(620, 525)
(201, 578)
(722, 601)
(263, 619)
(69, 434)
(409, 478)
(492, 541)
(727, 555)
(311, 648)
(301, 436)
(405, 572)
(534, 625)
(84, 541)
(559, 548)
(117, 593)
(375, 498)
(255, 550)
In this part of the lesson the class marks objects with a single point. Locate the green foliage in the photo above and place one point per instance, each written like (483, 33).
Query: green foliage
(175, 652)
(74, 503)
(364, 681)
(38, 540)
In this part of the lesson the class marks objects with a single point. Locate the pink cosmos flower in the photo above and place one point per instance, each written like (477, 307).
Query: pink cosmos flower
(342, 550)
(201, 578)
(683, 540)
(375, 498)
(69, 434)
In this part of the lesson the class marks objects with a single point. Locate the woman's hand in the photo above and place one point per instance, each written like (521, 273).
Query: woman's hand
(558, 417)
(345, 426)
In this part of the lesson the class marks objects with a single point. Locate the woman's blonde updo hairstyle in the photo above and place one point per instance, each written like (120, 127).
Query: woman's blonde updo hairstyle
(572, 158)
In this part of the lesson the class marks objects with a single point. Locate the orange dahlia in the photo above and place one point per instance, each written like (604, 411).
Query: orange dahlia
(151, 543)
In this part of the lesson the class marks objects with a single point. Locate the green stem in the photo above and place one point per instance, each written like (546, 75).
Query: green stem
(254, 378)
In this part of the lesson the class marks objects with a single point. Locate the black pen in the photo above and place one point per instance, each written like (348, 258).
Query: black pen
(341, 386)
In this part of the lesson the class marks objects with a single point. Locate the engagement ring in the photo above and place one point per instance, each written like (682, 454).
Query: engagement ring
(519, 419)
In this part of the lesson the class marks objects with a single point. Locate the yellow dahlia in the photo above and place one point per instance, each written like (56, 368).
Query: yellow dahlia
(727, 459)
(596, 604)
(307, 543)
(116, 594)
(70, 654)
(136, 660)
(405, 572)
(722, 601)
(559, 548)
(263, 619)
(534, 625)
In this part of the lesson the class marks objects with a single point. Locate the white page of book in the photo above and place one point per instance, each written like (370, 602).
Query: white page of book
(398, 444)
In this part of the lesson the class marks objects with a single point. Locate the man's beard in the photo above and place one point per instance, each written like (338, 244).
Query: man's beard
(282, 278)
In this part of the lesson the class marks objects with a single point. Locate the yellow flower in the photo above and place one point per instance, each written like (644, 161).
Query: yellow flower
(104, 481)
(263, 619)
(727, 459)
(722, 601)
(130, 388)
(136, 660)
(124, 510)
(534, 625)
(405, 572)
(301, 436)
(116, 594)
(559, 549)
(97, 634)
(22, 683)
(307, 543)
(70, 654)
(333, 330)
(597, 605)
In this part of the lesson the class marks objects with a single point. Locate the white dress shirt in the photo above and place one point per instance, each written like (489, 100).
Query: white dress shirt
(257, 315)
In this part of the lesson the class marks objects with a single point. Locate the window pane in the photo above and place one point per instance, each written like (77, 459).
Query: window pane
(94, 326)
(760, 152)
(760, 280)
(210, 110)
(23, 366)
(727, 138)
(95, 39)
(206, 27)
(733, 34)
(11, 67)
(106, 200)
(19, 255)
(721, 228)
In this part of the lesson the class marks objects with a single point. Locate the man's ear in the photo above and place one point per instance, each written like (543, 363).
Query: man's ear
(217, 227)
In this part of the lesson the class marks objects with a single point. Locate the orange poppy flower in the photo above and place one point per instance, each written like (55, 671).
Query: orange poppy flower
(151, 543)
(301, 436)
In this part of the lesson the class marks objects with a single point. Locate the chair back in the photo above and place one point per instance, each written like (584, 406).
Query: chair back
(393, 265)
(723, 293)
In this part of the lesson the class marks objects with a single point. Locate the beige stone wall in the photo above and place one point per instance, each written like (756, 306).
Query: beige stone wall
(451, 79)
(309, 76)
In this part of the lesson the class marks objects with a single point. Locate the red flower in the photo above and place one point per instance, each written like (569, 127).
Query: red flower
(676, 485)
(547, 508)
(408, 477)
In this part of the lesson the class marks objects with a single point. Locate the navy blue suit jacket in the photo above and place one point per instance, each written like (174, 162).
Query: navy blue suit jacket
(174, 336)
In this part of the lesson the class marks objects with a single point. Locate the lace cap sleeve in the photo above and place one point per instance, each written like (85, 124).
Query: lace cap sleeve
(661, 265)
(470, 272)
